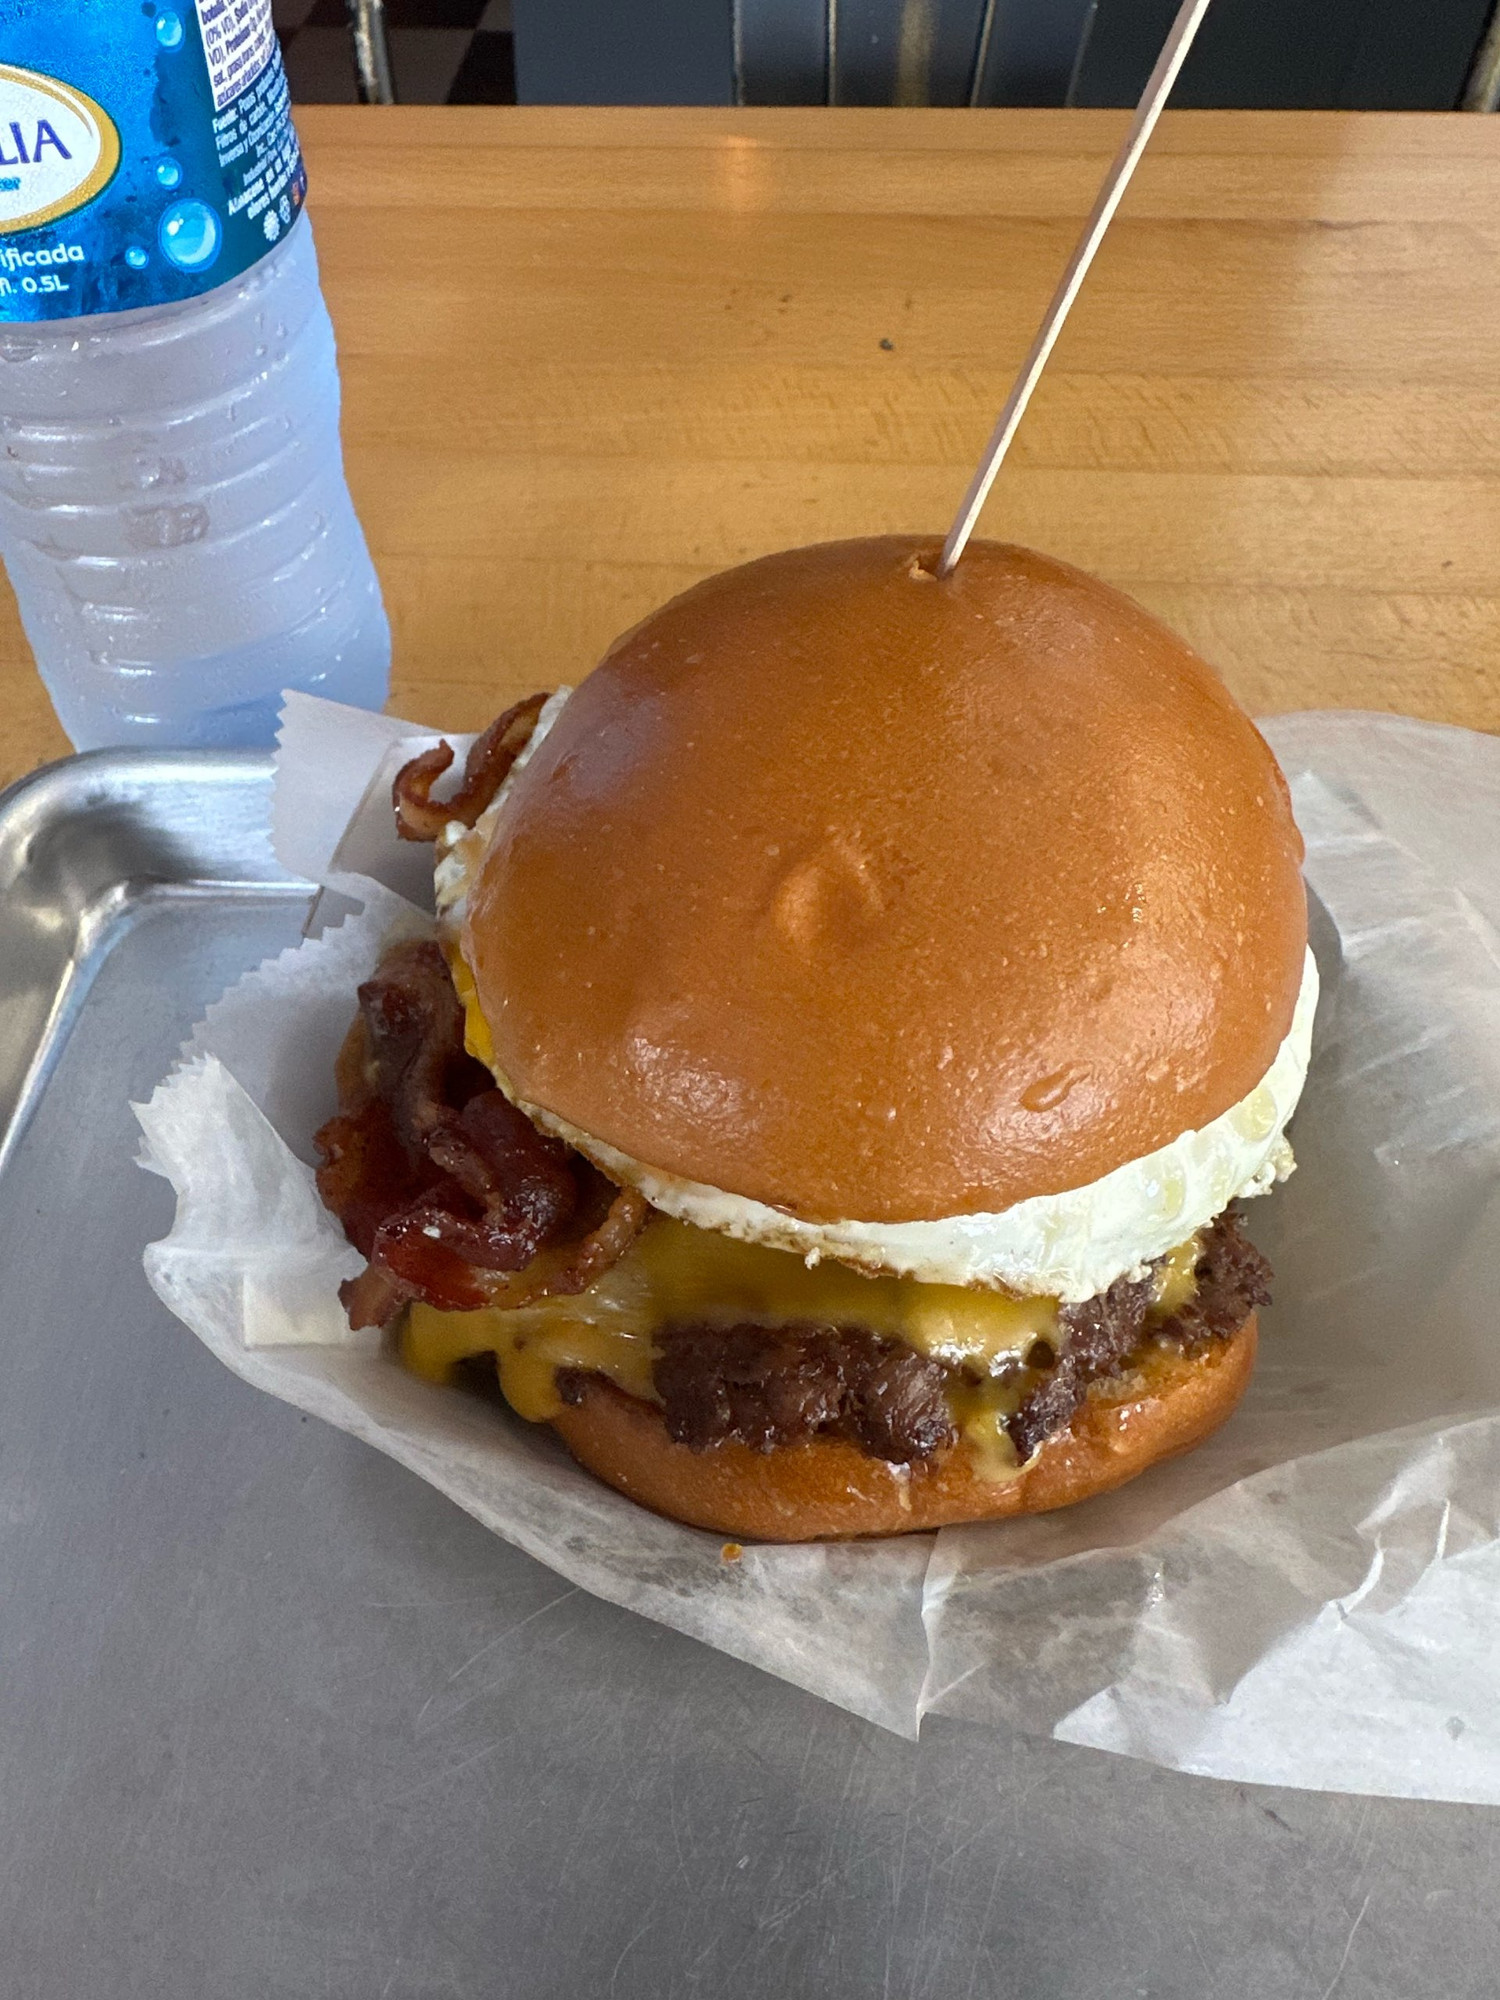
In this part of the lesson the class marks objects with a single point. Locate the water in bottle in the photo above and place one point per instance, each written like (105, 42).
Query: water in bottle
(173, 511)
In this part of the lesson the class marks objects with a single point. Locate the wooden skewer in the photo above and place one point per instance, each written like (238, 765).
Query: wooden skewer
(1153, 99)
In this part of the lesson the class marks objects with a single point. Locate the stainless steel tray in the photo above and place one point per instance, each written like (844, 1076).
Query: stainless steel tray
(277, 1720)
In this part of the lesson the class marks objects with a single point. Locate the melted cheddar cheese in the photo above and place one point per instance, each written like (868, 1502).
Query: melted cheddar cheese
(674, 1274)
(981, 1405)
(476, 1028)
(677, 1275)
(1175, 1280)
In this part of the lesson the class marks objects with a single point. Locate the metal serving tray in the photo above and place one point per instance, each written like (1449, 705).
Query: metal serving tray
(277, 1720)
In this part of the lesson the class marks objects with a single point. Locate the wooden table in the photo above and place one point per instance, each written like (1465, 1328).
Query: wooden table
(590, 355)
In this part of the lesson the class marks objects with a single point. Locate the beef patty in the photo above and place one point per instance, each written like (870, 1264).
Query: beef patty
(773, 1386)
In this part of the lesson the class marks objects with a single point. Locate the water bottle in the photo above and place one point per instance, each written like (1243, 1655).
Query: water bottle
(173, 512)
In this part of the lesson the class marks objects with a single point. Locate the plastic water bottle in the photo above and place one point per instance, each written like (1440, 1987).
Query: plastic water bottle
(173, 511)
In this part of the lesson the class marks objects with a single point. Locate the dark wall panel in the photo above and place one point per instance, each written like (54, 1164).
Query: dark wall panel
(781, 51)
(1312, 54)
(624, 51)
(1030, 51)
(904, 51)
(1292, 54)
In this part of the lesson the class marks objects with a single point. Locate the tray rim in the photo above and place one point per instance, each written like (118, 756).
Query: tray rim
(63, 941)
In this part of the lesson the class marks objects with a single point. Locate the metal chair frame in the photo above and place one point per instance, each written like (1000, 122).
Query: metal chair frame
(372, 52)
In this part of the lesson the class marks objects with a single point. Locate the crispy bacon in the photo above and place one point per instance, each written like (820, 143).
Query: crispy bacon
(414, 1059)
(421, 817)
(418, 815)
(449, 1191)
(373, 1298)
(603, 1246)
(366, 1173)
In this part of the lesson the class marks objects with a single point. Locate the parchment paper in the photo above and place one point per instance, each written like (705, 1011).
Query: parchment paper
(1312, 1598)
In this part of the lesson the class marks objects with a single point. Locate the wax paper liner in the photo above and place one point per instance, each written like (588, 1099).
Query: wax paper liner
(1311, 1598)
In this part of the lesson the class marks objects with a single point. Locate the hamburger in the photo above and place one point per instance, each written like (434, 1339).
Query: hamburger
(856, 1013)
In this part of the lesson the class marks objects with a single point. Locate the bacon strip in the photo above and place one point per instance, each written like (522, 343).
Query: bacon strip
(449, 1191)
(601, 1248)
(414, 1057)
(373, 1298)
(421, 817)
(418, 817)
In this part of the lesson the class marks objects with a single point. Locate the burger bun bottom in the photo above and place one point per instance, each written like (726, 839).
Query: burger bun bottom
(824, 1489)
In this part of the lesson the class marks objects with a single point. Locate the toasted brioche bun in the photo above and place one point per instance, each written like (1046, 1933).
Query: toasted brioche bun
(827, 1489)
(881, 898)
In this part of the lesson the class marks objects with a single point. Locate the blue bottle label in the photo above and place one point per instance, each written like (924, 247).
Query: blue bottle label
(147, 152)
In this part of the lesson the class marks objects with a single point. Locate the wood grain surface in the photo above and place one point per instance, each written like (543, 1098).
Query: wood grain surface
(590, 355)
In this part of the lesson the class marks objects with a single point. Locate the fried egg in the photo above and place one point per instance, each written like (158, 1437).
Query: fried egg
(1069, 1246)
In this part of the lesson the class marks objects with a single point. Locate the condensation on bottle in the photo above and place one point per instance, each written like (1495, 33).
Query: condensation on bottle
(174, 516)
